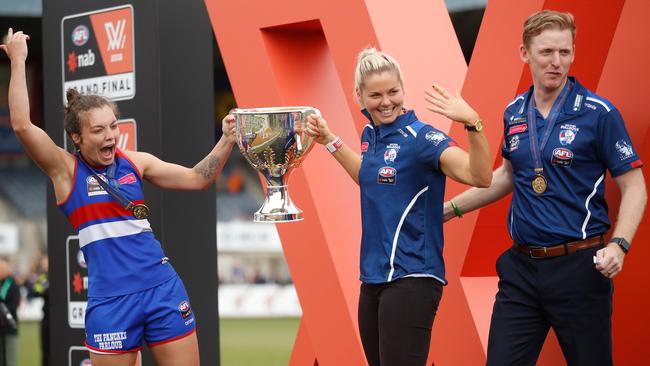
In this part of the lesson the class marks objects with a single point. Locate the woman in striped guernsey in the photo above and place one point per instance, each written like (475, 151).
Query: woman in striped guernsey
(134, 294)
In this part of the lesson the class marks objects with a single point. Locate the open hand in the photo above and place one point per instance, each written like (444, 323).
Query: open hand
(452, 107)
(15, 45)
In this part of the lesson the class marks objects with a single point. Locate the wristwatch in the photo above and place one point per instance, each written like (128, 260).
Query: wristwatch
(624, 244)
(476, 127)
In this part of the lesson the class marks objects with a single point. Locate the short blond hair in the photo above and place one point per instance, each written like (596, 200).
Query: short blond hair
(540, 21)
(369, 62)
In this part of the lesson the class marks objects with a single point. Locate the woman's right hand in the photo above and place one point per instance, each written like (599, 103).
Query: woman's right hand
(15, 45)
(318, 129)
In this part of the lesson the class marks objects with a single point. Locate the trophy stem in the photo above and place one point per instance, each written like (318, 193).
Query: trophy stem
(277, 206)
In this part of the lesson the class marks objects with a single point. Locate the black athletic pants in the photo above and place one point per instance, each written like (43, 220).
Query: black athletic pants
(395, 320)
(566, 293)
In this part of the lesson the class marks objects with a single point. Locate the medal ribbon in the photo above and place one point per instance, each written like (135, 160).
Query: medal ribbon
(113, 191)
(552, 118)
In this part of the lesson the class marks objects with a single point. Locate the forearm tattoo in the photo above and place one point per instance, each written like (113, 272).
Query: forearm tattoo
(208, 166)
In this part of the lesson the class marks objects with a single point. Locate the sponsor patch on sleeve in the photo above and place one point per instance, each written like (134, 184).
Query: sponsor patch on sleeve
(364, 146)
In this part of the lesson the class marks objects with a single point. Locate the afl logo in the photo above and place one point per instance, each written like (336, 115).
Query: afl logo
(387, 172)
(80, 35)
(562, 157)
(184, 308)
(387, 175)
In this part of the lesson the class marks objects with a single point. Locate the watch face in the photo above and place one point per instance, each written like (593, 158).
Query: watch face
(478, 126)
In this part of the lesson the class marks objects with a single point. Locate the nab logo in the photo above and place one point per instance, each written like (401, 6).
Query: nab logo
(80, 35)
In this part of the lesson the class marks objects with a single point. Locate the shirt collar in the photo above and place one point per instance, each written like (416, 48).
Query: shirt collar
(401, 121)
(573, 103)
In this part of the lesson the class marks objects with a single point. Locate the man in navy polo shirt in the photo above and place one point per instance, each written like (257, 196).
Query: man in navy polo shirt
(559, 141)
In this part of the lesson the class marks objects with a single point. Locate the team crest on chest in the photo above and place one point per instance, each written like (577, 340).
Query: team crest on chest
(567, 137)
(391, 153)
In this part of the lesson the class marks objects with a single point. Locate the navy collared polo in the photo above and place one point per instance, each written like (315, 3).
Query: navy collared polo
(587, 139)
(402, 189)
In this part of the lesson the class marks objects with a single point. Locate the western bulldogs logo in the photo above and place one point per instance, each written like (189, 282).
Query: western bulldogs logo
(567, 137)
(389, 156)
(435, 137)
(184, 308)
(624, 149)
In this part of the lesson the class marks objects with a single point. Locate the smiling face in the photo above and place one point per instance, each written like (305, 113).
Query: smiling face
(549, 56)
(382, 95)
(99, 135)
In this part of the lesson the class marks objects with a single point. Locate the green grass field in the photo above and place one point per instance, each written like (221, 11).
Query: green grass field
(263, 341)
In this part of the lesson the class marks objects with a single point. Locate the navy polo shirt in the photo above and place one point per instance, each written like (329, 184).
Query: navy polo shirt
(587, 139)
(402, 191)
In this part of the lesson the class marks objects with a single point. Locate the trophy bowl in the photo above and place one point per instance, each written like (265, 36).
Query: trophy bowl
(273, 142)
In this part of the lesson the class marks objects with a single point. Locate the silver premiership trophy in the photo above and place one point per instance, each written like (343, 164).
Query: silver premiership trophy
(274, 142)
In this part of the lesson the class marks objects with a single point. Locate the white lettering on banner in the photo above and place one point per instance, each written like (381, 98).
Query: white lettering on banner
(115, 33)
(77, 313)
(115, 87)
(86, 59)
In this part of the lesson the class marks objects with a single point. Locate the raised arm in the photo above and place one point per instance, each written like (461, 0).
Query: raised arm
(52, 159)
(474, 168)
(173, 176)
(349, 160)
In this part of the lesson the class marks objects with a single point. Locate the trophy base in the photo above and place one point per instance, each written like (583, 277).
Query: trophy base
(277, 217)
(277, 207)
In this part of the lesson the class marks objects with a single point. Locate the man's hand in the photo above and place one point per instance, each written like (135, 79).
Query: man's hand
(610, 260)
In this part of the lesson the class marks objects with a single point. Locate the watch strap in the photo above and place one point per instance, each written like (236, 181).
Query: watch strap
(624, 244)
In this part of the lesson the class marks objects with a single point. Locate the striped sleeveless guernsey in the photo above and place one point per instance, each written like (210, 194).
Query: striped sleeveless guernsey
(121, 252)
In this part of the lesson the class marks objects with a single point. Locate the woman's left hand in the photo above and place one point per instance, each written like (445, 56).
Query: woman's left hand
(228, 128)
(452, 107)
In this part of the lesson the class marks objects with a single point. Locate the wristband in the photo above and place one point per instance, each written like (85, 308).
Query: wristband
(457, 210)
(335, 145)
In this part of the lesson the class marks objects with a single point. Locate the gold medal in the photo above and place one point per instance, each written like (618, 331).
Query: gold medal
(539, 184)
(141, 211)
